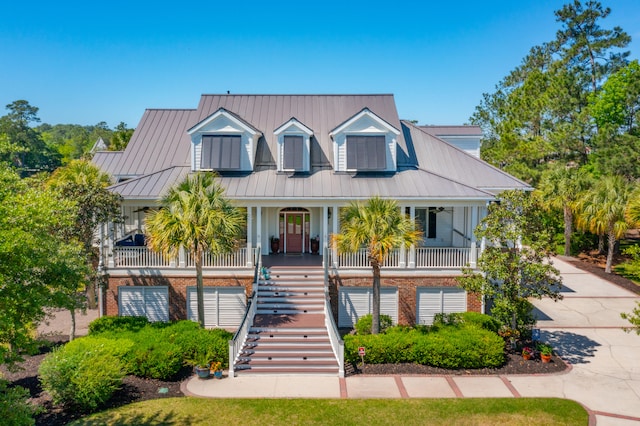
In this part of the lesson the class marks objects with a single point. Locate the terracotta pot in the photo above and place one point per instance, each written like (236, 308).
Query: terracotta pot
(545, 358)
(526, 356)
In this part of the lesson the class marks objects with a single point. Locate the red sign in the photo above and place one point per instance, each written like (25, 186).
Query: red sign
(361, 351)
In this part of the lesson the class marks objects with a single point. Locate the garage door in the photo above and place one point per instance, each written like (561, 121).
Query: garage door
(223, 306)
(435, 300)
(150, 302)
(355, 302)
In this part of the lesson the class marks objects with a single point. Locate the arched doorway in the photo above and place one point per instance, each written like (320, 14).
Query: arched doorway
(295, 225)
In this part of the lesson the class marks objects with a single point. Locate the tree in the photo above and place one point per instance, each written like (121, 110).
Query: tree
(632, 212)
(560, 188)
(602, 211)
(379, 226)
(121, 137)
(511, 272)
(38, 266)
(87, 185)
(195, 216)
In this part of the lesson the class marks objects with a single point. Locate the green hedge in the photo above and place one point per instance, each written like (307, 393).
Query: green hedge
(460, 344)
(117, 324)
(363, 325)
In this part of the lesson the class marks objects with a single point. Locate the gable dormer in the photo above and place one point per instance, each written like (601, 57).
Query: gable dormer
(365, 143)
(223, 142)
(294, 146)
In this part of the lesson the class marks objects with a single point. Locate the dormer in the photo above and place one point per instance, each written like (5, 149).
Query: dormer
(364, 143)
(294, 146)
(223, 142)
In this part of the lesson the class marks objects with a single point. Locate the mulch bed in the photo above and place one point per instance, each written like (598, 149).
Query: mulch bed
(135, 389)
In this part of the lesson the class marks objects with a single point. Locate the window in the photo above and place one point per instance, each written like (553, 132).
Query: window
(293, 151)
(220, 152)
(426, 220)
(366, 153)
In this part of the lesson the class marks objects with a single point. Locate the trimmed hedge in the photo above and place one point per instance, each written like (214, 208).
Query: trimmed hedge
(462, 343)
(117, 324)
(363, 325)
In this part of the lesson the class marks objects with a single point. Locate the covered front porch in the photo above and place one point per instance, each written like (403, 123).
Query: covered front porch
(299, 235)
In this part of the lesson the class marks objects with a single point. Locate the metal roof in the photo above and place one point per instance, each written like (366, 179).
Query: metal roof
(439, 157)
(107, 161)
(453, 130)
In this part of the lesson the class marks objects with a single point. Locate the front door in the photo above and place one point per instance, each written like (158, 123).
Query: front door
(294, 233)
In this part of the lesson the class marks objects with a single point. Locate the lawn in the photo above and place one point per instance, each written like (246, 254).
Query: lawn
(198, 411)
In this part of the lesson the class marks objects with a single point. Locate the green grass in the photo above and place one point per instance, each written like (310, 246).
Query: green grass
(475, 411)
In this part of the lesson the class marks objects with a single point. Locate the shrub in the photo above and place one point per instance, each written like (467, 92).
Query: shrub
(525, 320)
(85, 373)
(117, 324)
(192, 341)
(14, 406)
(631, 268)
(380, 348)
(363, 325)
(153, 358)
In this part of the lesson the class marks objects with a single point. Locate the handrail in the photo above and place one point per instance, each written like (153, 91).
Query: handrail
(461, 234)
(337, 344)
(235, 344)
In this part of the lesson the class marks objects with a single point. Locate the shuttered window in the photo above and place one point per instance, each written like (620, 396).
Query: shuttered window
(150, 302)
(366, 153)
(220, 152)
(293, 153)
(437, 300)
(223, 306)
(354, 302)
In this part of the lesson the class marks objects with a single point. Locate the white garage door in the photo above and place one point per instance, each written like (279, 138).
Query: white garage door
(354, 302)
(435, 300)
(223, 306)
(150, 302)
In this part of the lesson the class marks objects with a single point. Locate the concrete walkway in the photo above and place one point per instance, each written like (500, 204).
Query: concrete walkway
(585, 328)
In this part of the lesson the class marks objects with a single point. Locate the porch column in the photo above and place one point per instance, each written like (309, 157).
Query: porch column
(412, 249)
(259, 228)
(402, 263)
(182, 259)
(110, 254)
(249, 236)
(336, 229)
(473, 259)
(325, 234)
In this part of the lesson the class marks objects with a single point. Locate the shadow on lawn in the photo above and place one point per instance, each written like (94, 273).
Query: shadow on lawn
(573, 348)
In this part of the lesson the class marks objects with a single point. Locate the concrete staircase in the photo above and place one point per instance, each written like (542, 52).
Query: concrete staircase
(288, 334)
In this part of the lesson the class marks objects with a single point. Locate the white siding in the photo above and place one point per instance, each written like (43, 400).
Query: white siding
(223, 306)
(355, 302)
(435, 300)
(150, 302)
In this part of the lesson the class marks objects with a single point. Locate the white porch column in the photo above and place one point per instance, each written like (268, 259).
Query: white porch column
(336, 229)
(325, 234)
(402, 262)
(412, 249)
(473, 259)
(259, 228)
(182, 259)
(110, 254)
(249, 236)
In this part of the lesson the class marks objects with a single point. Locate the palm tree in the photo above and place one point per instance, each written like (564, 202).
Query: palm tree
(195, 216)
(633, 208)
(602, 211)
(560, 189)
(380, 226)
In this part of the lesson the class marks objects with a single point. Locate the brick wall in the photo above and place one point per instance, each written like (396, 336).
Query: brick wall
(406, 292)
(177, 290)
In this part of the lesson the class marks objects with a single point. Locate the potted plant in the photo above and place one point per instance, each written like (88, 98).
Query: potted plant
(201, 364)
(315, 244)
(527, 352)
(275, 244)
(216, 369)
(546, 351)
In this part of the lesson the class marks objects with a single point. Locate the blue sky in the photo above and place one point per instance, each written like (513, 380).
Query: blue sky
(85, 62)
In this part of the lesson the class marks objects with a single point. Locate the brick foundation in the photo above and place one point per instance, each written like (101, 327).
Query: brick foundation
(177, 290)
(406, 292)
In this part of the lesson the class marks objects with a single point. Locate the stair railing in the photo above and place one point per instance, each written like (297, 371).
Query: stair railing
(235, 344)
(337, 344)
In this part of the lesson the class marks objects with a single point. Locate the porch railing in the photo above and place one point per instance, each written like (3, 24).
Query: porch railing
(425, 258)
(132, 257)
(337, 343)
(142, 257)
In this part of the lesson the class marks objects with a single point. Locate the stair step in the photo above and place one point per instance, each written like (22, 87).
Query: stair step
(270, 350)
(316, 371)
(291, 364)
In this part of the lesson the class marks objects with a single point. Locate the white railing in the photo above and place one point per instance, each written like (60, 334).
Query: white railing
(138, 256)
(237, 259)
(442, 257)
(425, 258)
(337, 344)
(236, 344)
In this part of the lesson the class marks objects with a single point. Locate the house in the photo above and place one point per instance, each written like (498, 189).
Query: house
(291, 162)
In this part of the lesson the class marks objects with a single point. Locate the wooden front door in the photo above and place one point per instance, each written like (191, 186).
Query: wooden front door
(294, 232)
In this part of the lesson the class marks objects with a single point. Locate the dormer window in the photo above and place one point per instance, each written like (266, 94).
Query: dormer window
(366, 153)
(294, 141)
(365, 143)
(223, 142)
(220, 152)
